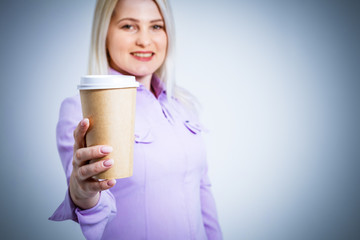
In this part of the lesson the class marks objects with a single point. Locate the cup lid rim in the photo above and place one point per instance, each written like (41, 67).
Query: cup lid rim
(88, 82)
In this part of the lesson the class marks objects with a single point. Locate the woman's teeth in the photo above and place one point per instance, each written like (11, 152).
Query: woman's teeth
(144, 55)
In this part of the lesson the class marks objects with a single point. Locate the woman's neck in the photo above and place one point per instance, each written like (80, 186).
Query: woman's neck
(145, 80)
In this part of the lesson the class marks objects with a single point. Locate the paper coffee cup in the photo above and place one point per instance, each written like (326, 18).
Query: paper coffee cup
(108, 101)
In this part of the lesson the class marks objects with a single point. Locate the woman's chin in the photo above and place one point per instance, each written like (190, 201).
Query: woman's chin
(142, 73)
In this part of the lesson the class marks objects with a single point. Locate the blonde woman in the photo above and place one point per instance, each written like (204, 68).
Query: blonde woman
(168, 196)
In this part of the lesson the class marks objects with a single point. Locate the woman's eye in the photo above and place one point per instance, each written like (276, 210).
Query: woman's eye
(157, 27)
(127, 26)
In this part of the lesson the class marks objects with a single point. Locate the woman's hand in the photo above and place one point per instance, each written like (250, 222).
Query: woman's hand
(85, 190)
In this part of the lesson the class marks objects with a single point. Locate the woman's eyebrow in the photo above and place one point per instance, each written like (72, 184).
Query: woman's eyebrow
(157, 20)
(129, 19)
(136, 20)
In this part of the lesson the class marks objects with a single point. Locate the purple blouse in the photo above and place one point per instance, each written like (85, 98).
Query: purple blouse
(168, 196)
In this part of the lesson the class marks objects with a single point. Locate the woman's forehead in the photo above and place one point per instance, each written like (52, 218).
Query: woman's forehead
(146, 10)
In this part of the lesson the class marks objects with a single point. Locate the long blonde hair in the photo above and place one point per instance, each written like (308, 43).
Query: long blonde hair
(98, 61)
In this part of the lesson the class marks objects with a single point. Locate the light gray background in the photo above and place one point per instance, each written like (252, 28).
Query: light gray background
(279, 84)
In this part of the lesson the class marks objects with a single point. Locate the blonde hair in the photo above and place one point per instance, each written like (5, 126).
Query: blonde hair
(98, 60)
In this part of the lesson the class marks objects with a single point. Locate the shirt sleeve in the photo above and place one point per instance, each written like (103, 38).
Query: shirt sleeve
(208, 209)
(92, 221)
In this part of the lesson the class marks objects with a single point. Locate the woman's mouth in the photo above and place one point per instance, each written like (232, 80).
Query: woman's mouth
(143, 56)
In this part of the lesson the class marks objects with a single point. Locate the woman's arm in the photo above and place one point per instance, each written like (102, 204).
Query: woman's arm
(96, 209)
(208, 209)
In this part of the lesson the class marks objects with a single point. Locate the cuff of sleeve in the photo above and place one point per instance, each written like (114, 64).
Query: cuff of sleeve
(93, 221)
(104, 209)
(67, 210)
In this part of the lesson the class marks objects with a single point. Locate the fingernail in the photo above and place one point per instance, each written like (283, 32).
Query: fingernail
(111, 182)
(108, 163)
(106, 149)
(84, 122)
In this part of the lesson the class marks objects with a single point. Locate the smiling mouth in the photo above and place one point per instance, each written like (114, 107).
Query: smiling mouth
(143, 56)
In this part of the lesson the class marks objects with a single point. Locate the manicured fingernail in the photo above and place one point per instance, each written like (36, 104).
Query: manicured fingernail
(108, 163)
(106, 149)
(84, 122)
(111, 182)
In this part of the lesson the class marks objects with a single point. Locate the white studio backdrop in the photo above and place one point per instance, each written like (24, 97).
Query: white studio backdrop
(278, 82)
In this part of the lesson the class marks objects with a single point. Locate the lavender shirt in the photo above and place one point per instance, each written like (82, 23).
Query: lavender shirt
(168, 196)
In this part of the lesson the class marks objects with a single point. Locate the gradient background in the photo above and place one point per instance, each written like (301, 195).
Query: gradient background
(279, 84)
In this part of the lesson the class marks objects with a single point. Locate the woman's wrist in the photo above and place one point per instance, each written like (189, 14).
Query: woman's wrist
(82, 202)
(85, 203)
(88, 203)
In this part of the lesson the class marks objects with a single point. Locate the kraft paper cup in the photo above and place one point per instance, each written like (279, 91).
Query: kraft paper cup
(108, 101)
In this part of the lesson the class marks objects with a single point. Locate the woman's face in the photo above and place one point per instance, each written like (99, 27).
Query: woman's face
(136, 39)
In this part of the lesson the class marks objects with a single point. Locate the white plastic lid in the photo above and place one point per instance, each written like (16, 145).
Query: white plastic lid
(89, 82)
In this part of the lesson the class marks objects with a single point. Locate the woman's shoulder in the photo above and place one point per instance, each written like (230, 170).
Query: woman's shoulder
(71, 107)
(186, 106)
(72, 101)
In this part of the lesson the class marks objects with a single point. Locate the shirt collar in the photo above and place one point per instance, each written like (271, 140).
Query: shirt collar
(156, 83)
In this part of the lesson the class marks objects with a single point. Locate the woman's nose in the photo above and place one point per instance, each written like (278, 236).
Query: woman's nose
(143, 39)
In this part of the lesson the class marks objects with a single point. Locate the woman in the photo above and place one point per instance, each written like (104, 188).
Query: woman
(168, 196)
